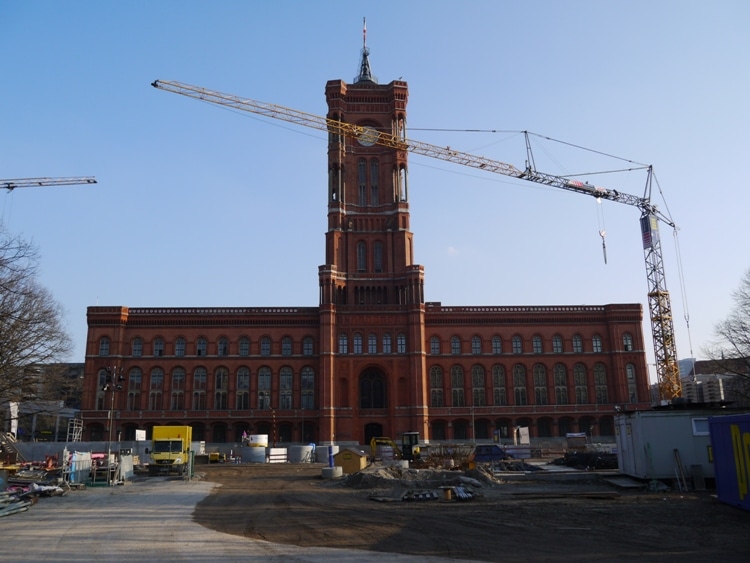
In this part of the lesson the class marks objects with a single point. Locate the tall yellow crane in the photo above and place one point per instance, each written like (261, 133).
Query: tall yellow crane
(11, 185)
(659, 303)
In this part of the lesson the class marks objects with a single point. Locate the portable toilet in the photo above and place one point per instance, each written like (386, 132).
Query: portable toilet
(350, 460)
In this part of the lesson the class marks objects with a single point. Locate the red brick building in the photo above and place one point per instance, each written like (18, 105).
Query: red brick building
(372, 358)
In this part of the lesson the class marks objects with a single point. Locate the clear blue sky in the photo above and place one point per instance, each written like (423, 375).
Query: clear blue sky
(200, 206)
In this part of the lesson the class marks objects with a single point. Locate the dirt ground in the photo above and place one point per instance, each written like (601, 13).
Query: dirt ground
(512, 519)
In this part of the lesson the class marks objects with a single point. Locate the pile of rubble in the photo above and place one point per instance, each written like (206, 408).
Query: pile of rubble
(24, 488)
(396, 483)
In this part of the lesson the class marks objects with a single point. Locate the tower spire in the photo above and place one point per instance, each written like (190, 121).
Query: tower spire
(365, 74)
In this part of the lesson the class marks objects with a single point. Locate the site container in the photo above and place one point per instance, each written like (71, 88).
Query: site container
(730, 443)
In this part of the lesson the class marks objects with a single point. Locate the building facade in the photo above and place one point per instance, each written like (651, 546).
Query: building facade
(372, 358)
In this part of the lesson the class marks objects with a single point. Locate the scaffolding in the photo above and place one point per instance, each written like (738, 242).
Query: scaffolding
(75, 430)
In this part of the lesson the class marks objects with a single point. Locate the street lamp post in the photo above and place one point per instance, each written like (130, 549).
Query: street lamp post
(473, 428)
(113, 384)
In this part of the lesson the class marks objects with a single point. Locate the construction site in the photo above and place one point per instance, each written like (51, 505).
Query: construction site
(378, 423)
(458, 502)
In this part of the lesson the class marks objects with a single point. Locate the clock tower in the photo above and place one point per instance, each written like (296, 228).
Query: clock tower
(370, 288)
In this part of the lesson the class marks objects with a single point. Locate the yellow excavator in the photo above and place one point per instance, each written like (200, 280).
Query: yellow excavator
(409, 449)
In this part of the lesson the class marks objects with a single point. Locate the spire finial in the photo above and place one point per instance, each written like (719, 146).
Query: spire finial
(365, 74)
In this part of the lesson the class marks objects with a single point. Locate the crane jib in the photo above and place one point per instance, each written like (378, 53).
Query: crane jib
(659, 302)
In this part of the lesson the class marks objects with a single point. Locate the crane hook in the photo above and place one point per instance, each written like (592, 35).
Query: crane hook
(604, 244)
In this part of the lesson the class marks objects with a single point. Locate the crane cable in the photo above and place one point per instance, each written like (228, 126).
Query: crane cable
(602, 227)
(680, 270)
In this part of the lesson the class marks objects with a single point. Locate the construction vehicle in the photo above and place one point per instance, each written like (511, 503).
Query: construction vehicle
(381, 447)
(11, 185)
(170, 449)
(659, 303)
(410, 446)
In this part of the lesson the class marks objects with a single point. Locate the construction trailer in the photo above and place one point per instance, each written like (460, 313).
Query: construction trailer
(667, 444)
(730, 443)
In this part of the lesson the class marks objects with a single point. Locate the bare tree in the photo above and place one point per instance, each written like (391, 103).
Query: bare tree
(731, 353)
(32, 334)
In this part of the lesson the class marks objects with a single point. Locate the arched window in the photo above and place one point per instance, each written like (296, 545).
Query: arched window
(155, 389)
(457, 386)
(579, 379)
(477, 386)
(499, 394)
(561, 384)
(434, 346)
(436, 386)
(357, 343)
(265, 346)
(372, 343)
(179, 347)
(577, 344)
(137, 347)
(540, 384)
(497, 345)
(244, 346)
(158, 346)
(455, 345)
(600, 382)
(377, 254)
(201, 347)
(387, 343)
(308, 388)
(362, 181)
(557, 344)
(285, 388)
(223, 346)
(596, 344)
(519, 384)
(517, 345)
(627, 342)
(401, 343)
(361, 257)
(476, 345)
(221, 390)
(243, 388)
(104, 346)
(264, 388)
(199, 389)
(632, 387)
(536, 344)
(374, 181)
(372, 390)
(343, 343)
(286, 346)
(177, 401)
(135, 378)
(307, 346)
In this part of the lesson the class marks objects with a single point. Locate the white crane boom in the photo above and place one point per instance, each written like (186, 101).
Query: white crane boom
(34, 182)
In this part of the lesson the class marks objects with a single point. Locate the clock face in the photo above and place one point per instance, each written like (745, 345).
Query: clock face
(368, 137)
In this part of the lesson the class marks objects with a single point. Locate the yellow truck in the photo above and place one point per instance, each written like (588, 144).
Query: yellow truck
(170, 449)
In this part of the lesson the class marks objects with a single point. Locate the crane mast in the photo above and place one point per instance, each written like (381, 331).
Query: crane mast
(11, 185)
(659, 303)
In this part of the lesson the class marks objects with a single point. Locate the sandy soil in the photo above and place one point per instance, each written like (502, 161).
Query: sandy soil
(508, 520)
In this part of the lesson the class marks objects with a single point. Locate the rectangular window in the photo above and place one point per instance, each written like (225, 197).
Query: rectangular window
(700, 426)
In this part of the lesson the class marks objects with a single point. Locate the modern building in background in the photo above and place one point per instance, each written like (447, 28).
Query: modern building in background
(371, 358)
